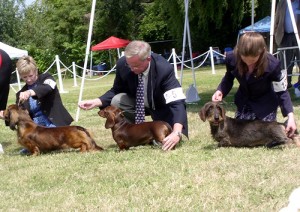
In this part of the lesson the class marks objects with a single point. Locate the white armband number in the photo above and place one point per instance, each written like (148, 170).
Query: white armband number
(50, 82)
(282, 84)
(174, 95)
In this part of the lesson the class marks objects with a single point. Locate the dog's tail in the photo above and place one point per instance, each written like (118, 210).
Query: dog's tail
(93, 142)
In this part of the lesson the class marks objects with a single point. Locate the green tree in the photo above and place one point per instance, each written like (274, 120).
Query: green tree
(153, 27)
(10, 14)
(213, 22)
(60, 27)
(115, 18)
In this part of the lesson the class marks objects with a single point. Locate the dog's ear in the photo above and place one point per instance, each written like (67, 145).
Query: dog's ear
(21, 106)
(24, 109)
(11, 120)
(203, 111)
(110, 121)
(6, 117)
(223, 111)
(101, 113)
(202, 114)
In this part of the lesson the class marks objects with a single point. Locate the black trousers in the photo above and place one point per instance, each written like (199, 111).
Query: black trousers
(289, 40)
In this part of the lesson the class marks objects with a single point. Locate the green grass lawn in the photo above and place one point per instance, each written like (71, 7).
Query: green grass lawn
(197, 176)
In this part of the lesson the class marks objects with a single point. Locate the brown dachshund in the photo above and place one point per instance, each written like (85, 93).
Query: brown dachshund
(243, 133)
(129, 135)
(39, 139)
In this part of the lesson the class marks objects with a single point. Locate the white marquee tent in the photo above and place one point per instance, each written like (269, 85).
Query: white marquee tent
(12, 51)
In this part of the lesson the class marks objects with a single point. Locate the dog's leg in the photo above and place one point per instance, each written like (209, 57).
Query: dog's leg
(83, 148)
(29, 145)
(122, 146)
(36, 151)
(296, 140)
(276, 143)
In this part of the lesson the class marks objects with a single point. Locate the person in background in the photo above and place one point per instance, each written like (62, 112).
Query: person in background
(285, 35)
(227, 49)
(5, 74)
(40, 95)
(262, 84)
(163, 97)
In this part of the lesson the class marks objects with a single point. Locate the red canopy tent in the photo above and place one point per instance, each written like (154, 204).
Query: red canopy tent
(110, 43)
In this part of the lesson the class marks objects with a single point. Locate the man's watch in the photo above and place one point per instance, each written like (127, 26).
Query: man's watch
(179, 134)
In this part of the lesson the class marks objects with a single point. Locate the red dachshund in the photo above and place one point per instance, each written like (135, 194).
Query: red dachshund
(129, 135)
(42, 139)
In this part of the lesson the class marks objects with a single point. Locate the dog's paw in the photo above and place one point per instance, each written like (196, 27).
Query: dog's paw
(296, 140)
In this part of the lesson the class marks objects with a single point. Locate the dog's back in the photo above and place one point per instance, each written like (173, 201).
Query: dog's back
(49, 139)
(241, 133)
(143, 133)
(43, 139)
(251, 133)
(128, 135)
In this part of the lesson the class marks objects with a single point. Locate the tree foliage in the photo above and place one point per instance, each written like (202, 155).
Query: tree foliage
(10, 15)
(50, 27)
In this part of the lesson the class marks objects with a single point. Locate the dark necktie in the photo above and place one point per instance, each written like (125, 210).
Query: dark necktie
(140, 106)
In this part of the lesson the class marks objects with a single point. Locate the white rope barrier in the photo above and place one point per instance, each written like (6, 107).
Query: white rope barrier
(176, 61)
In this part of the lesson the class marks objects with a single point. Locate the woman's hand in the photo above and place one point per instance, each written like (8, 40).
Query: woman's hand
(217, 97)
(1, 114)
(25, 95)
(291, 125)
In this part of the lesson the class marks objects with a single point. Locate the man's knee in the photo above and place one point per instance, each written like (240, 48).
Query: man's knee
(126, 104)
(122, 100)
(116, 100)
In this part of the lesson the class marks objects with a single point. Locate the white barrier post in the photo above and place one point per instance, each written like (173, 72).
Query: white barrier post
(61, 87)
(119, 55)
(88, 46)
(212, 60)
(18, 79)
(74, 74)
(174, 62)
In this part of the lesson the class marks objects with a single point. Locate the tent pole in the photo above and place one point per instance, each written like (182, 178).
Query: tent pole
(183, 42)
(190, 49)
(118, 49)
(272, 26)
(252, 14)
(88, 46)
(91, 62)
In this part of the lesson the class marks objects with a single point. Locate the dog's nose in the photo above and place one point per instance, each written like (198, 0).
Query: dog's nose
(216, 116)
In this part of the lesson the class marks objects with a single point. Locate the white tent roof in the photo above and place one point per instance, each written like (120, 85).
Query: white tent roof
(12, 51)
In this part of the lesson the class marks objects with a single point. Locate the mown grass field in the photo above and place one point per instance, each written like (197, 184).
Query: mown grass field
(197, 176)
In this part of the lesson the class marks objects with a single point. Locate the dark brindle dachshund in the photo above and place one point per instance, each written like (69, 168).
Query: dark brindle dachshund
(229, 132)
(38, 139)
(129, 135)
